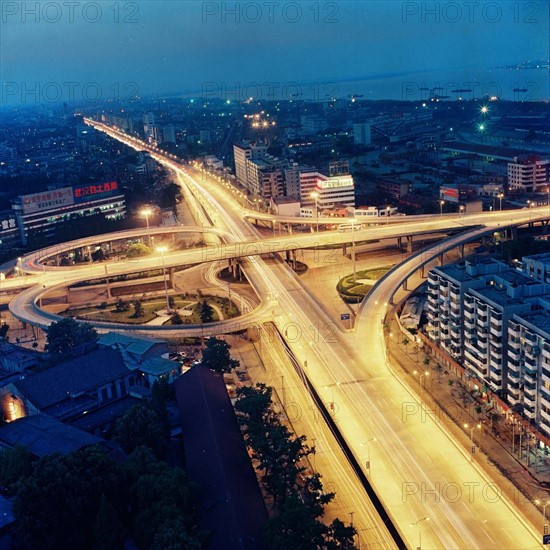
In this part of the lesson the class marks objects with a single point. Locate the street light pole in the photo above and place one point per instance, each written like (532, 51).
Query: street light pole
(418, 523)
(544, 528)
(500, 195)
(147, 212)
(315, 195)
(441, 203)
(353, 244)
(162, 250)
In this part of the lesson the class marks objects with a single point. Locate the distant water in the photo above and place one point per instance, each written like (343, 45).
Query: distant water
(508, 84)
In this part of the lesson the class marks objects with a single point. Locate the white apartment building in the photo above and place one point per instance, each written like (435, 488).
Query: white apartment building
(528, 173)
(334, 192)
(529, 364)
(495, 321)
(242, 152)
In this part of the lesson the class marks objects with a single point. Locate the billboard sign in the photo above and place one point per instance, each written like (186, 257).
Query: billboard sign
(7, 223)
(94, 191)
(47, 200)
(449, 194)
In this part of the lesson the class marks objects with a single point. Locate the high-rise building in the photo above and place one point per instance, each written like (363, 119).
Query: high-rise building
(242, 152)
(529, 364)
(264, 178)
(308, 181)
(495, 321)
(148, 123)
(528, 173)
(169, 133)
(361, 133)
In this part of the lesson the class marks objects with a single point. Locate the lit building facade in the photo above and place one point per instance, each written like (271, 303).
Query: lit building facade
(528, 174)
(335, 192)
(44, 212)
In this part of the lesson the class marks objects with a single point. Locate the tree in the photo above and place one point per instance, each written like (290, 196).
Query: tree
(109, 532)
(121, 305)
(216, 356)
(206, 312)
(158, 495)
(171, 194)
(69, 336)
(141, 426)
(56, 506)
(171, 535)
(15, 463)
(137, 250)
(176, 319)
(138, 309)
(98, 255)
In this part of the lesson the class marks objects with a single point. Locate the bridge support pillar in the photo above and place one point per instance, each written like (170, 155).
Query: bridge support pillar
(399, 242)
(405, 287)
(345, 249)
(289, 229)
(461, 250)
(440, 259)
(409, 244)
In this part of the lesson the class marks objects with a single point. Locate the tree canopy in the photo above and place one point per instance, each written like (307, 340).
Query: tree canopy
(298, 500)
(87, 500)
(67, 336)
(216, 356)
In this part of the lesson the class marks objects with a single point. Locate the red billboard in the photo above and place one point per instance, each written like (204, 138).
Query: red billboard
(449, 194)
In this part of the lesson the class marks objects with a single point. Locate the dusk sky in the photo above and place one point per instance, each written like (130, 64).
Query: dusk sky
(189, 46)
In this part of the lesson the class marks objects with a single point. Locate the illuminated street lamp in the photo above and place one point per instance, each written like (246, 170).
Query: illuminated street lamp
(544, 526)
(461, 209)
(162, 250)
(147, 212)
(353, 222)
(418, 523)
(472, 428)
(501, 196)
(441, 203)
(366, 444)
(315, 195)
(481, 129)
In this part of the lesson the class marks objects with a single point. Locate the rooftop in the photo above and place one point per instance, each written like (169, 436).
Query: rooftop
(44, 435)
(79, 374)
(231, 507)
